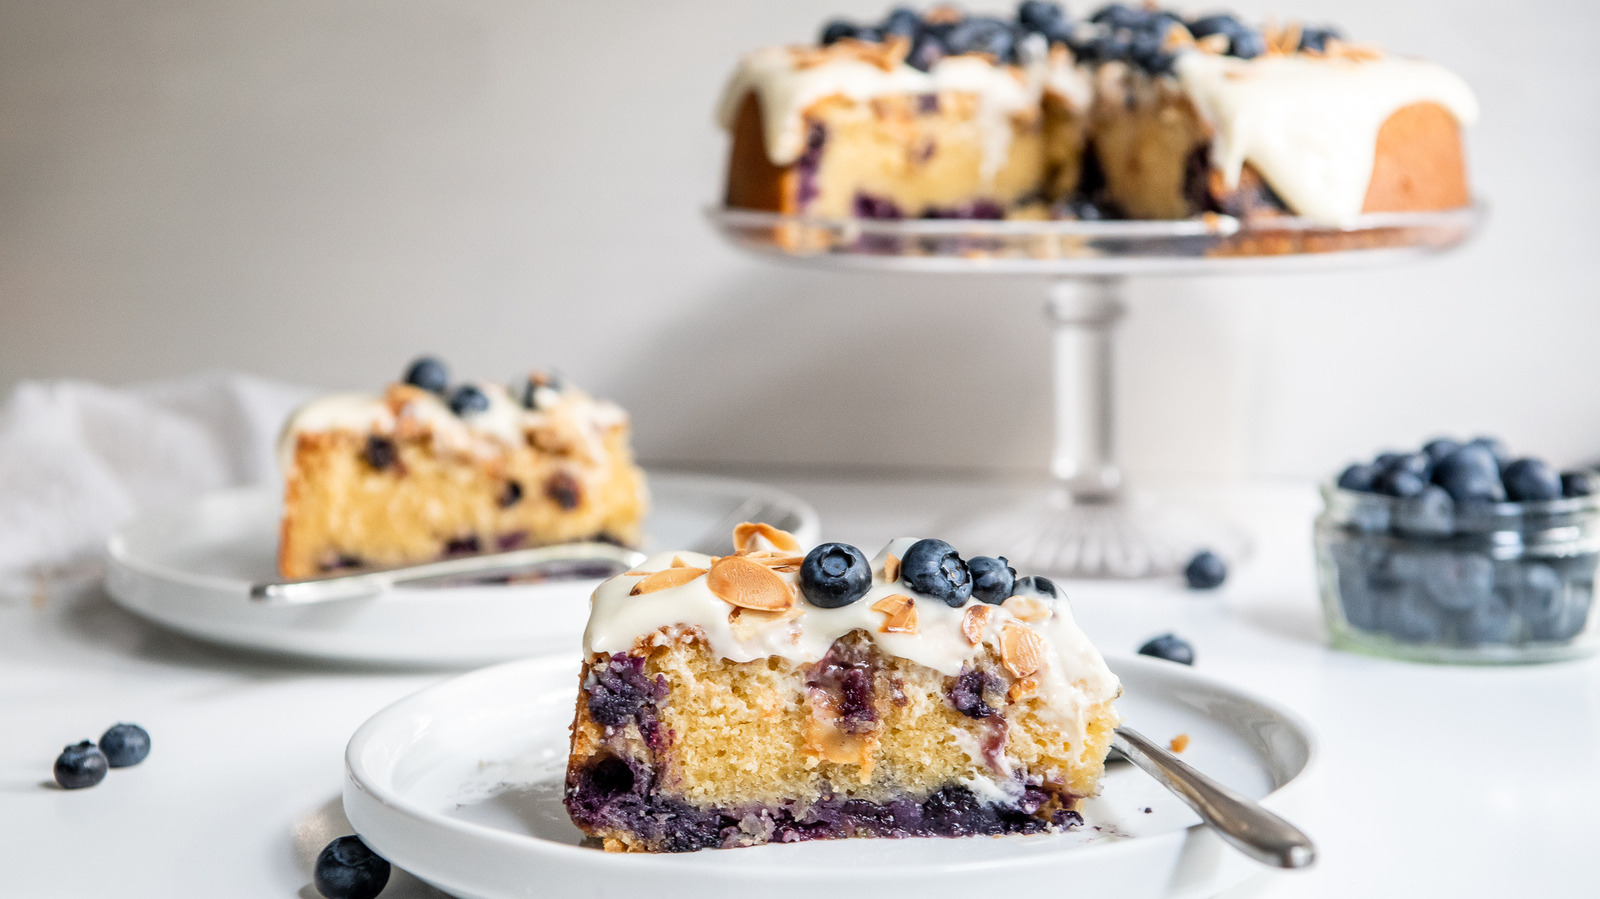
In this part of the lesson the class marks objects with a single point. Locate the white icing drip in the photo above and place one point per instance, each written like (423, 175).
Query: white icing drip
(785, 90)
(1074, 679)
(1309, 124)
(503, 424)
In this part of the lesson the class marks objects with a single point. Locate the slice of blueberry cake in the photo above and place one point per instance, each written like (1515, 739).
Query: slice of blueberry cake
(429, 470)
(778, 695)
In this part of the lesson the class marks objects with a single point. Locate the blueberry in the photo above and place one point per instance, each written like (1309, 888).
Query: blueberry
(429, 374)
(1431, 513)
(1116, 15)
(80, 765)
(835, 575)
(380, 452)
(347, 869)
(1487, 623)
(926, 50)
(1357, 477)
(1457, 581)
(1531, 481)
(993, 581)
(933, 568)
(1470, 474)
(980, 34)
(1411, 618)
(1577, 483)
(1353, 562)
(1113, 45)
(1034, 584)
(1539, 596)
(1417, 463)
(1398, 482)
(836, 31)
(1040, 16)
(1221, 23)
(1316, 37)
(1169, 647)
(1385, 460)
(901, 21)
(1206, 571)
(1496, 448)
(1438, 448)
(469, 400)
(1148, 52)
(1247, 44)
(125, 745)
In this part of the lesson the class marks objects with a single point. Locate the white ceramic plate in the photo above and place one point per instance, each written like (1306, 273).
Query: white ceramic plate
(460, 784)
(190, 569)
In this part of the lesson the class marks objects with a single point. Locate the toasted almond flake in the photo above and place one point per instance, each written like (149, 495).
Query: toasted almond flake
(664, 579)
(1179, 743)
(637, 573)
(748, 584)
(1214, 44)
(678, 562)
(899, 614)
(1028, 608)
(746, 535)
(891, 568)
(1022, 689)
(975, 622)
(1021, 649)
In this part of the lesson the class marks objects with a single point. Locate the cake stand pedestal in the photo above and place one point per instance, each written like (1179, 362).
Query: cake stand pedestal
(1090, 524)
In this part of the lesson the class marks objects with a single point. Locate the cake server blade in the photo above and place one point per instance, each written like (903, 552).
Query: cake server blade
(372, 583)
(1250, 828)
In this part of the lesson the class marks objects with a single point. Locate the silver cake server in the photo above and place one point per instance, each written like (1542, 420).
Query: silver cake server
(1250, 828)
(371, 583)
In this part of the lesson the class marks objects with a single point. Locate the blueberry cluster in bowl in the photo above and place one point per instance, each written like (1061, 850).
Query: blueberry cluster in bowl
(1462, 548)
(1135, 34)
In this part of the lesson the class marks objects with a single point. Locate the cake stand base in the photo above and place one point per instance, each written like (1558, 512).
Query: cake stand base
(1128, 536)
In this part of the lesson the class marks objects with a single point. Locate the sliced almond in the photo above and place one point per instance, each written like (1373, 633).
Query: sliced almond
(975, 622)
(1028, 608)
(665, 578)
(891, 568)
(899, 614)
(746, 535)
(1214, 44)
(678, 562)
(1022, 689)
(1021, 649)
(748, 584)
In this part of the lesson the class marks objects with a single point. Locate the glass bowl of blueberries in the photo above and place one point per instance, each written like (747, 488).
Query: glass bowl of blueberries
(1460, 553)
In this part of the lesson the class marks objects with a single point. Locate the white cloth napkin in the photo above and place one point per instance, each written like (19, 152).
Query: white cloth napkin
(77, 459)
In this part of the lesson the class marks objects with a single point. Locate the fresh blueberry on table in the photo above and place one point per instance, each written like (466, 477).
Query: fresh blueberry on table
(1531, 481)
(1398, 481)
(933, 568)
(1431, 513)
(347, 869)
(1470, 474)
(1357, 477)
(1169, 647)
(1577, 483)
(1206, 571)
(469, 400)
(428, 373)
(125, 745)
(993, 581)
(834, 575)
(1037, 585)
(80, 765)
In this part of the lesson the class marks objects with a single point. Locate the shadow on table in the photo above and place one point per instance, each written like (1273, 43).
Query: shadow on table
(326, 824)
(1290, 621)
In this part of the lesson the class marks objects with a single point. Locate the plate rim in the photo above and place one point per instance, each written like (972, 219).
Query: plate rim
(358, 779)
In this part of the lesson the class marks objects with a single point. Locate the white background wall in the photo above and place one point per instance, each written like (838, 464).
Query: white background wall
(316, 190)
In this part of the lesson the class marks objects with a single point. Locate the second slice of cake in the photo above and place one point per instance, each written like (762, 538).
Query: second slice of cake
(776, 695)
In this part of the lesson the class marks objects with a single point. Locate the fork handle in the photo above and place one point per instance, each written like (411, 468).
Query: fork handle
(1250, 828)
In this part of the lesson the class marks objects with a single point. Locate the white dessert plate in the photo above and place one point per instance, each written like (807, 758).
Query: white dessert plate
(190, 569)
(461, 785)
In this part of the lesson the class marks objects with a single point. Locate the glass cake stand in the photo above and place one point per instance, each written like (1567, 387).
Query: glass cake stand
(1090, 524)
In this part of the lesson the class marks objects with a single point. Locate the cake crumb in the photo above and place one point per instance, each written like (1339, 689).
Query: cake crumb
(1179, 743)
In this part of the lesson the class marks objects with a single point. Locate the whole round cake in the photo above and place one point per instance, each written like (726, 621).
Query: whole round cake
(1134, 112)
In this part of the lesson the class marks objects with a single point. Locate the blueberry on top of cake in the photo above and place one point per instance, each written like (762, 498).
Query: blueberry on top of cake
(781, 694)
(433, 468)
(1134, 111)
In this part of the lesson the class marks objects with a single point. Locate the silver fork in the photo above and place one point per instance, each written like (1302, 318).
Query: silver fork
(717, 539)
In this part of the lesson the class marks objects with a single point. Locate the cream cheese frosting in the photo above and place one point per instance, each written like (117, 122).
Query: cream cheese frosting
(786, 84)
(1309, 123)
(505, 423)
(1073, 679)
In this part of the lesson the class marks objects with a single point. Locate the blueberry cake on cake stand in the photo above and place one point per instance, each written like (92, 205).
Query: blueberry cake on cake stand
(1135, 142)
(779, 695)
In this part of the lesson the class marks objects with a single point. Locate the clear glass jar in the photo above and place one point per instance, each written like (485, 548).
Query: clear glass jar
(1426, 579)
